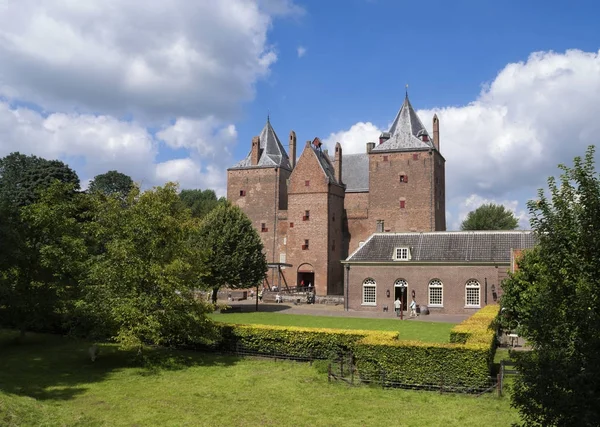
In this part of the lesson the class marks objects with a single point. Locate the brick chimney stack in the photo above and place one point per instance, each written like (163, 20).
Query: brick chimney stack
(436, 132)
(292, 148)
(338, 162)
(255, 156)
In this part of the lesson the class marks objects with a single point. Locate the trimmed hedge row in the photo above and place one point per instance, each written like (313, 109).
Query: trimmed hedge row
(464, 362)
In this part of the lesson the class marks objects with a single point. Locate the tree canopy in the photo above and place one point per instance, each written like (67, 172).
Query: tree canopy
(112, 183)
(236, 258)
(490, 217)
(200, 202)
(554, 301)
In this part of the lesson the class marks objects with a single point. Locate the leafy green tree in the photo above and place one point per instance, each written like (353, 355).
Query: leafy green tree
(490, 217)
(200, 202)
(112, 183)
(22, 178)
(26, 298)
(554, 299)
(236, 258)
(143, 277)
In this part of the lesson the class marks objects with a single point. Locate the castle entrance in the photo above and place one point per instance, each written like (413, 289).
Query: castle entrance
(401, 291)
(306, 277)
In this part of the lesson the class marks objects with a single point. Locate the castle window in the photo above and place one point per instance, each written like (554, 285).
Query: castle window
(402, 204)
(416, 156)
(472, 294)
(305, 245)
(385, 158)
(401, 254)
(291, 225)
(436, 293)
(403, 178)
(369, 292)
(306, 216)
(306, 183)
(263, 228)
(242, 193)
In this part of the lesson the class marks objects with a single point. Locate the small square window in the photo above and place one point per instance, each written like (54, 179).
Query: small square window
(307, 183)
(291, 225)
(306, 216)
(263, 227)
(402, 204)
(305, 245)
(242, 193)
(403, 178)
(385, 158)
(416, 156)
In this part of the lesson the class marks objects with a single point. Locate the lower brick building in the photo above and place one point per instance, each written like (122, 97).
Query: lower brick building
(447, 272)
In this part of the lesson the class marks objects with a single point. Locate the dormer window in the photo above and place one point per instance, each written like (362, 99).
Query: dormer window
(401, 254)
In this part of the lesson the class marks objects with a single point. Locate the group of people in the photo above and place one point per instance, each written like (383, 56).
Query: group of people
(398, 307)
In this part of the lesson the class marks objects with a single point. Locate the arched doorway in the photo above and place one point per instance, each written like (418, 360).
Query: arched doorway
(401, 291)
(305, 276)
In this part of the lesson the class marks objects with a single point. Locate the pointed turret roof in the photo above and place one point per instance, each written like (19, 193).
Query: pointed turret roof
(272, 152)
(406, 132)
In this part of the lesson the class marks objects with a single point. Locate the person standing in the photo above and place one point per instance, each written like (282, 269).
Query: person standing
(397, 306)
(413, 308)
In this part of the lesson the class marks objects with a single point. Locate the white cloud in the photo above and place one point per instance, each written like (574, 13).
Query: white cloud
(354, 140)
(503, 146)
(301, 51)
(206, 136)
(148, 58)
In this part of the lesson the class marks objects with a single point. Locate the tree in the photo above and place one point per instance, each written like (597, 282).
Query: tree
(490, 217)
(200, 202)
(143, 276)
(236, 258)
(26, 297)
(112, 183)
(554, 298)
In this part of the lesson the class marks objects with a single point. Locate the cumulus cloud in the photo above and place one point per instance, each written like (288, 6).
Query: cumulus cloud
(301, 51)
(354, 140)
(95, 144)
(502, 146)
(152, 59)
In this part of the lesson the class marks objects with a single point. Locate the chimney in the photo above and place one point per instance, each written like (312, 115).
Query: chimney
(292, 148)
(255, 156)
(338, 162)
(370, 146)
(384, 137)
(436, 132)
(317, 142)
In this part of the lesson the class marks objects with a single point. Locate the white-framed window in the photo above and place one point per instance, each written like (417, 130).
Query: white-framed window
(472, 293)
(401, 283)
(401, 254)
(369, 292)
(436, 293)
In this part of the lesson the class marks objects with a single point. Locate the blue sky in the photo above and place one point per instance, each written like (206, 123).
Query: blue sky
(176, 91)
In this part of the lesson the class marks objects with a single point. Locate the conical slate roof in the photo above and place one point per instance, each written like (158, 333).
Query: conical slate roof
(406, 132)
(272, 152)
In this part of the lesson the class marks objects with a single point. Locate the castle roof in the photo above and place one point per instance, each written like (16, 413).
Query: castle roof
(355, 172)
(406, 132)
(463, 247)
(324, 160)
(272, 152)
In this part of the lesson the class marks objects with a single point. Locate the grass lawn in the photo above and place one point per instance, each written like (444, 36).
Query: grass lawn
(409, 329)
(49, 381)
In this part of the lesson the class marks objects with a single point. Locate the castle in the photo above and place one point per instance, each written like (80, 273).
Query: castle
(313, 211)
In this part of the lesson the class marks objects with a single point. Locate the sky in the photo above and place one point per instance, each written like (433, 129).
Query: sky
(175, 91)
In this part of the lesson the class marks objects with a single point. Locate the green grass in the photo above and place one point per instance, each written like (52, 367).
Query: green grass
(409, 329)
(49, 381)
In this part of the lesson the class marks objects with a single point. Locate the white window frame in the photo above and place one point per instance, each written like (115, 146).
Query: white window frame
(473, 285)
(435, 284)
(372, 286)
(402, 253)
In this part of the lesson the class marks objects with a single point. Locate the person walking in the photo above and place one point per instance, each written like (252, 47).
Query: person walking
(397, 306)
(413, 308)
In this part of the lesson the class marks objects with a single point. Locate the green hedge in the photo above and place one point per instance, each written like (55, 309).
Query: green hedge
(464, 362)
